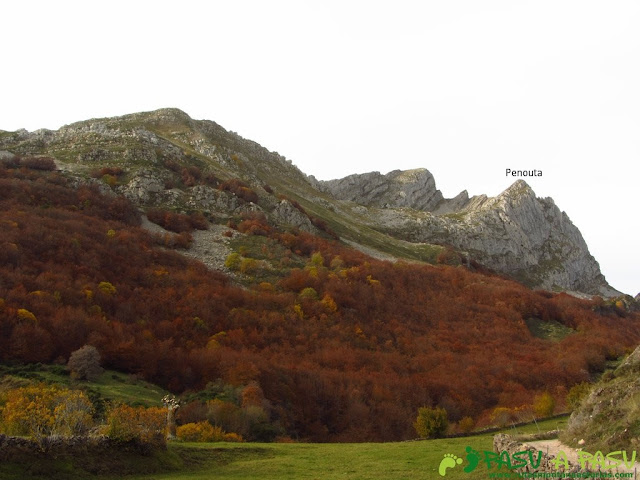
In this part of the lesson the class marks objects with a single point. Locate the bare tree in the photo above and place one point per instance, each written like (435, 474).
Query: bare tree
(84, 363)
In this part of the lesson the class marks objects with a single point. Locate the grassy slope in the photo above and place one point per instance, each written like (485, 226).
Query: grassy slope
(609, 417)
(403, 460)
(111, 385)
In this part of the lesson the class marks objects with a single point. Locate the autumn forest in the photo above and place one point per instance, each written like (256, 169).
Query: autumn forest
(339, 347)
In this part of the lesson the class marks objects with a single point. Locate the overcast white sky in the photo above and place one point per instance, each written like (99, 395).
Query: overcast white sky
(464, 88)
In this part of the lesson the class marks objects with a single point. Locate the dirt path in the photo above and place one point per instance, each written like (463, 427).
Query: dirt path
(553, 447)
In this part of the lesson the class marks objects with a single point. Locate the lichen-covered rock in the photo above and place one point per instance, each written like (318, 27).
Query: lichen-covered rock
(287, 213)
(143, 186)
(6, 156)
(411, 188)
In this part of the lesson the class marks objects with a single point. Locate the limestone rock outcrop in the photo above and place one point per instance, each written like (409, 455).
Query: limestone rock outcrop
(516, 233)
(411, 188)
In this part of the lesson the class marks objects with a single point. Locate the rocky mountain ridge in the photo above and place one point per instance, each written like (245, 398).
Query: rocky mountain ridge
(516, 233)
(168, 159)
(415, 189)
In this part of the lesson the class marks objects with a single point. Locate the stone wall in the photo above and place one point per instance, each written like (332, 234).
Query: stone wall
(17, 448)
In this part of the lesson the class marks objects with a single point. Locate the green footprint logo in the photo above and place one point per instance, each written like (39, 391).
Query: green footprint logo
(473, 457)
(449, 461)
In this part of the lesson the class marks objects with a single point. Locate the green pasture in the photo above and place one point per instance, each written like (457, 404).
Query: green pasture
(191, 461)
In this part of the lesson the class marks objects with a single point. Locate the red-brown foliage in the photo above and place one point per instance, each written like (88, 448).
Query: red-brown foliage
(33, 163)
(352, 359)
(240, 189)
(38, 163)
(112, 171)
(254, 224)
(177, 222)
(189, 176)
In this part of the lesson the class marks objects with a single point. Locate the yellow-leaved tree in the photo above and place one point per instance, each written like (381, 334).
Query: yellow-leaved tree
(544, 405)
(431, 422)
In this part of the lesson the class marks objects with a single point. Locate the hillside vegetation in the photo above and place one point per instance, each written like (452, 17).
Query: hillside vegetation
(608, 418)
(166, 159)
(109, 387)
(337, 345)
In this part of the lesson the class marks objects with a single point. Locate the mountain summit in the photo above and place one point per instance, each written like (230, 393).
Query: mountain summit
(166, 159)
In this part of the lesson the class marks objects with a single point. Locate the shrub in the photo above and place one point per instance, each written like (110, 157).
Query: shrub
(502, 416)
(172, 165)
(466, 424)
(544, 404)
(174, 222)
(84, 363)
(107, 288)
(240, 190)
(200, 432)
(431, 422)
(448, 257)
(110, 180)
(147, 425)
(191, 175)
(38, 163)
(233, 261)
(198, 221)
(309, 293)
(177, 222)
(73, 414)
(232, 437)
(254, 227)
(42, 410)
(577, 394)
(254, 224)
(10, 162)
(211, 180)
(178, 241)
(182, 240)
(248, 265)
(110, 171)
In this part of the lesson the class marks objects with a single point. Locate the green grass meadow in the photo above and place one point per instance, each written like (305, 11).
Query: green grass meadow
(398, 460)
(271, 461)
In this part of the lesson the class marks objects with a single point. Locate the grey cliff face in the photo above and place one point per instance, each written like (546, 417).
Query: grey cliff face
(412, 189)
(536, 242)
(515, 233)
